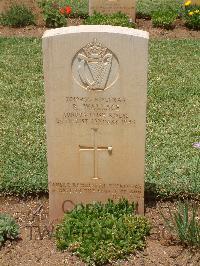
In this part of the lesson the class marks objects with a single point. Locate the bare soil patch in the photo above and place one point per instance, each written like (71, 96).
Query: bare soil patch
(36, 245)
(179, 32)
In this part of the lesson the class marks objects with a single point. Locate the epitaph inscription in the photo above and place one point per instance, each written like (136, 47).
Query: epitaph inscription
(95, 67)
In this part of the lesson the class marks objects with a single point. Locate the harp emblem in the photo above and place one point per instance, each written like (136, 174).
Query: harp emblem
(95, 67)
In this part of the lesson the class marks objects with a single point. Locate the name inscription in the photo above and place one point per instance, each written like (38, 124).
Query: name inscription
(99, 111)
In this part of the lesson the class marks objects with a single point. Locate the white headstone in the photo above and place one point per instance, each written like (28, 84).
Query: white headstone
(95, 86)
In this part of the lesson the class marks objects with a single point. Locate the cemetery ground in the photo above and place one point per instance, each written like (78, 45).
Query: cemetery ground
(171, 161)
(35, 247)
(172, 170)
(179, 31)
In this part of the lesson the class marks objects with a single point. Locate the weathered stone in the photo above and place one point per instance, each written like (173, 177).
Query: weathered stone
(113, 6)
(95, 84)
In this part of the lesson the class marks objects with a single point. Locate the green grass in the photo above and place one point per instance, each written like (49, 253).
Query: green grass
(172, 117)
(22, 146)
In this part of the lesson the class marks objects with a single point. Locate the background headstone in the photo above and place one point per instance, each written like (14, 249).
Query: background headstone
(113, 6)
(194, 2)
(95, 86)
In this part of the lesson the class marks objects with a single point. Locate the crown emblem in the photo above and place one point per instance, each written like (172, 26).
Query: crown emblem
(94, 51)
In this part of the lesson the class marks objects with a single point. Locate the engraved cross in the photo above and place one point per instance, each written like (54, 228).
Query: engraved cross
(95, 148)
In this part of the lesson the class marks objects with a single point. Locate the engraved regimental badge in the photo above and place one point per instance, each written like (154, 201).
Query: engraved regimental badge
(95, 67)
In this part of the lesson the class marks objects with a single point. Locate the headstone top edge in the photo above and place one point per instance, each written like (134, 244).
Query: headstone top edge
(97, 29)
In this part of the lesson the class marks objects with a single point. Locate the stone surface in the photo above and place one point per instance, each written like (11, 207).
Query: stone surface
(112, 6)
(95, 89)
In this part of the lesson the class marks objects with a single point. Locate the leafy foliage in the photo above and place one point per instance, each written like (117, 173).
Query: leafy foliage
(79, 7)
(17, 16)
(184, 224)
(145, 8)
(52, 14)
(9, 229)
(192, 15)
(116, 19)
(164, 19)
(99, 233)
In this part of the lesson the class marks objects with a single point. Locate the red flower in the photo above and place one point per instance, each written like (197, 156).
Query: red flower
(62, 11)
(68, 10)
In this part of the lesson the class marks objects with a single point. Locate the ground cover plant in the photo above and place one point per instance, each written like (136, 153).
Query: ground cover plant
(100, 233)
(116, 19)
(146, 8)
(172, 118)
(17, 16)
(164, 19)
(9, 229)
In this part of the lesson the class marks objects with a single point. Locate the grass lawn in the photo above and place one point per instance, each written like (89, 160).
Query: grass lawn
(172, 117)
